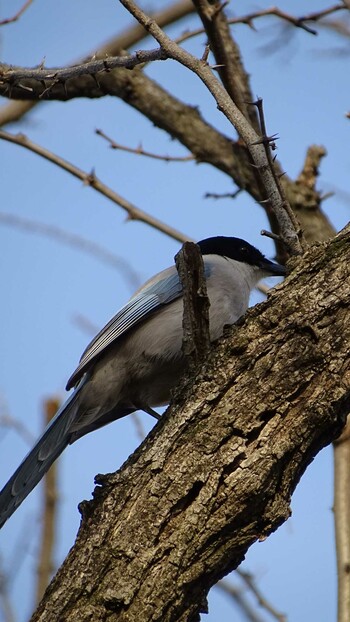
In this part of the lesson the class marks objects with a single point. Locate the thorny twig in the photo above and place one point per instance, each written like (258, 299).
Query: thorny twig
(16, 76)
(248, 19)
(289, 233)
(142, 152)
(268, 143)
(15, 110)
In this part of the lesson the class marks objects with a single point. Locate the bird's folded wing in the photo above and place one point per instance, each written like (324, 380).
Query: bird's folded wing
(147, 300)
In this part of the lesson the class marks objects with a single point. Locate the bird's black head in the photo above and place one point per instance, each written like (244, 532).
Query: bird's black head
(235, 248)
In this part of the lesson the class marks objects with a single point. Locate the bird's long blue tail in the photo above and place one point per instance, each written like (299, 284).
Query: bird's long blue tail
(48, 447)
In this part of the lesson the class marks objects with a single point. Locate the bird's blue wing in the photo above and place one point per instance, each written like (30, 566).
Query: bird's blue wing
(153, 295)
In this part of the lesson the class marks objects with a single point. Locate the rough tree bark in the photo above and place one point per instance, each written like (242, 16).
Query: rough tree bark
(217, 472)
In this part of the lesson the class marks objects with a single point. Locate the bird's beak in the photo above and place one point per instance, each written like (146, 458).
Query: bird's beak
(275, 269)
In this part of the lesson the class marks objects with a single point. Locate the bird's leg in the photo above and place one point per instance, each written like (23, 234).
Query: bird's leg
(149, 411)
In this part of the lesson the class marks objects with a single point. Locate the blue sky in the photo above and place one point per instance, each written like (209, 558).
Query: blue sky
(46, 284)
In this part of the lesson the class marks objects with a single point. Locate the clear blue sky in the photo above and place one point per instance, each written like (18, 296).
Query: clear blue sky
(45, 284)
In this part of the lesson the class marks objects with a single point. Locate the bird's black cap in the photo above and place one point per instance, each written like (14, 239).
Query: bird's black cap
(240, 250)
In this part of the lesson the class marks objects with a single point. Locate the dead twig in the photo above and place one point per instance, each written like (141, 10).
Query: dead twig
(140, 151)
(237, 594)
(249, 18)
(14, 18)
(263, 602)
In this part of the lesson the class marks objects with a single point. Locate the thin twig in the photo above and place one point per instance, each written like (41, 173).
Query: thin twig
(269, 234)
(10, 20)
(248, 19)
(268, 143)
(90, 179)
(236, 593)
(263, 602)
(45, 565)
(142, 152)
(75, 241)
(224, 195)
(129, 37)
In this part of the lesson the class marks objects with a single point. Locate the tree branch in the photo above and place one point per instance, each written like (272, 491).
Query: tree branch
(21, 79)
(217, 472)
(140, 151)
(292, 238)
(129, 37)
(45, 565)
(16, 16)
(196, 339)
(90, 179)
(298, 22)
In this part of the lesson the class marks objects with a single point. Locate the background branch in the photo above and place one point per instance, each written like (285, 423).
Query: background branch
(45, 565)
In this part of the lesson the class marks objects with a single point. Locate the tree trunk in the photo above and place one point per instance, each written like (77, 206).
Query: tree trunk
(218, 471)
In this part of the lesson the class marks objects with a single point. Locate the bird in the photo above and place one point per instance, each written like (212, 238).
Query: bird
(136, 360)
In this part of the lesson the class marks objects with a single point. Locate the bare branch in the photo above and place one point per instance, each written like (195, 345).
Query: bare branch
(90, 179)
(129, 37)
(249, 18)
(45, 565)
(19, 77)
(14, 18)
(228, 57)
(224, 195)
(142, 152)
(136, 33)
(225, 104)
(263, 602)
(310, 171)
(236, 593)
(268, 143)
